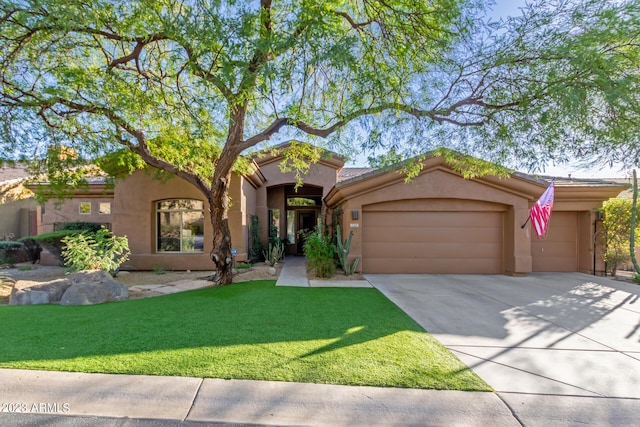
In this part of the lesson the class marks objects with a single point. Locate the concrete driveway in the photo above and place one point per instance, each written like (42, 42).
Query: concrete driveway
(547, 334)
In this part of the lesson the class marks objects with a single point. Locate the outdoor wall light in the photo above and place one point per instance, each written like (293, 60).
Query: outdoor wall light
(355, 215)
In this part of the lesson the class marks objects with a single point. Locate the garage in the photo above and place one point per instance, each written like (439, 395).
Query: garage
(558, 250)
(401, 237)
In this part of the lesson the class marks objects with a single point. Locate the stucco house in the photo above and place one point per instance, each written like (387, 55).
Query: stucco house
(437, 223)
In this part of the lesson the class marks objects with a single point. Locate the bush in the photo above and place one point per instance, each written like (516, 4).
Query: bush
(52, 241)
(95, 251)
(324, 267)
(11, 253)
(320, 251)
(78, 226)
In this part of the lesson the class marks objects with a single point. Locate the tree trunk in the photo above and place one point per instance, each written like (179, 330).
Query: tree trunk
(632, 233)
(221, 252)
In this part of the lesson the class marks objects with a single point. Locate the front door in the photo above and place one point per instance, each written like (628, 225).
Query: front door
(306, 224)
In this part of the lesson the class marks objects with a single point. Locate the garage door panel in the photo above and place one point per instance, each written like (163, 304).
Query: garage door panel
(558, 250)
(433, 266)
(430, 234)
(433, 242)
(433, 219)
(431, 250)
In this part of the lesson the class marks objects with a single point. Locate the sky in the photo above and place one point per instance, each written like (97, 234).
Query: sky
(504, 8)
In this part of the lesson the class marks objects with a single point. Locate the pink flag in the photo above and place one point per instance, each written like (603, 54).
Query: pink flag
(541, 211)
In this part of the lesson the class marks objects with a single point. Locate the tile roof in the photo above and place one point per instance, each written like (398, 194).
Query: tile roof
(350, 173)
(13, 173)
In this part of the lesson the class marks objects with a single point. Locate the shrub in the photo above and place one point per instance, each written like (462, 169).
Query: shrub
(319, 251)
(255, 250)
(78, 226)
(95, 251)
(11, 253)
(32, 248)
(52, 241)
(324, 267)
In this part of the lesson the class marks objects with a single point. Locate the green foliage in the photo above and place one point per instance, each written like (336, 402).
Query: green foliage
(91, 227)
(255, 250)
(11, 252)
(320, 252)
(95, 251)
(274, 253)
(52, 241)
(616, 227)
(633, 224)
(342, 250)
(158, 269)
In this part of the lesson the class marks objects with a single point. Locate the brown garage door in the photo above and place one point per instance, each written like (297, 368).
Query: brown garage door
(432, 242)
(558, 251)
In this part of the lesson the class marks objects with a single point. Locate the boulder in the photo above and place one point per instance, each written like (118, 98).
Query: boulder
(40, 293)
(93, 287)
(81, 288)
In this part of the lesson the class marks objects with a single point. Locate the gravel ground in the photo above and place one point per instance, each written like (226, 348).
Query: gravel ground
(26, 274)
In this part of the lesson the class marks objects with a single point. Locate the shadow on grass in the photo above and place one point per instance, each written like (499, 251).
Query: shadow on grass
(247, 330)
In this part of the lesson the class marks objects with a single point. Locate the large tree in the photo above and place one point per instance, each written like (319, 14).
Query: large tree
(190, 86)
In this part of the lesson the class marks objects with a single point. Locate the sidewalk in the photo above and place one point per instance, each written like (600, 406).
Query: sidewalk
(244, 402)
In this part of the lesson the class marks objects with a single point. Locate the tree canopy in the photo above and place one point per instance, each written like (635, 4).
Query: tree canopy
(189, 86)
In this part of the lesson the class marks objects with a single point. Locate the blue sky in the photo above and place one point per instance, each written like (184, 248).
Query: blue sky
(503, 8)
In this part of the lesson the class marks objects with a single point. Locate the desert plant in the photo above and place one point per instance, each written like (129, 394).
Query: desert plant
(158, 269)
(95, 251)
(319, 251)
(255, 250)
(274, 253)
(343, 249)
(324, 267)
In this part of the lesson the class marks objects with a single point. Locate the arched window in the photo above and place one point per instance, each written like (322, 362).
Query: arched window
(180, 225)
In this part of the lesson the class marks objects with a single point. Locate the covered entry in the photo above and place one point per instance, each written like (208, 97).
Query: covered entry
(293, 213)
(433, 236)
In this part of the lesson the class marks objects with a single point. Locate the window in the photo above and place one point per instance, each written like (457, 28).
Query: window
(291, 226)
(304, 201)
(85, 208)
(104, 208)
(180, 225)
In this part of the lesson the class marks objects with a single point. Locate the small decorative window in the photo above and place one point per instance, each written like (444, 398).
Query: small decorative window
(180, 225)
(104, 208)
(85, 208)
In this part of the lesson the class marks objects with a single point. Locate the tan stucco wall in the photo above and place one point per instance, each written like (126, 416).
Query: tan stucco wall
(443, 184)
(12, 217)
(134, 217)
(69, 211)
(243, 206)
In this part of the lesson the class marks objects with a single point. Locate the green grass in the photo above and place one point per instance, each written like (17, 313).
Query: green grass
(250, 330)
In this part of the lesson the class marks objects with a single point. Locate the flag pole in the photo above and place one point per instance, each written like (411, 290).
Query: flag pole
(525, 223)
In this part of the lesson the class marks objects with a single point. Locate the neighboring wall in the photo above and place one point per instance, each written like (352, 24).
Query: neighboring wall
(14, 219)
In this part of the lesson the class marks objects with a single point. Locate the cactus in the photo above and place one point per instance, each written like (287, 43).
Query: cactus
(343, 253)
(274, 253)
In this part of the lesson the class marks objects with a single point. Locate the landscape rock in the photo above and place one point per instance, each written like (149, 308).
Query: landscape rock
(40, 293)
(81, 288)
(93, 287)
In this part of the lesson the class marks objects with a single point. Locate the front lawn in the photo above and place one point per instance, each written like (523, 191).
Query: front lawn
(250, 330)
